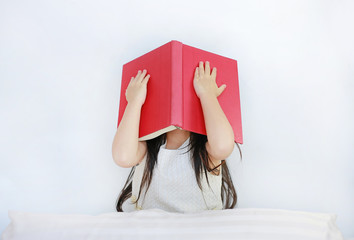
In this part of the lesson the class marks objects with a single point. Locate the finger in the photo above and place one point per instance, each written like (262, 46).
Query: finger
(146, 79)
(201, 68)
(222, 88)
(213, 73)
(196, 72)
(138, 74)
(207, 68)
(130, 82)
(142, 75)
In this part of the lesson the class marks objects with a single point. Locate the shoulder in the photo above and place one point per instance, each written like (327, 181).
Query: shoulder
(215, 165)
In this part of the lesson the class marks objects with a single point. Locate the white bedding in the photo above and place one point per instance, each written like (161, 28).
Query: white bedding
(239, 223)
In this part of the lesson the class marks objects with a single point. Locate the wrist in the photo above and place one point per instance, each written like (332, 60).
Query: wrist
(134, 104)
(206, 97)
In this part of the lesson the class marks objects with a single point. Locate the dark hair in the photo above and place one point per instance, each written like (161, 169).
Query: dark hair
(200, 161)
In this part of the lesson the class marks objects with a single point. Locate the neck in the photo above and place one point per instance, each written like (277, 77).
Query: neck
(175, 138)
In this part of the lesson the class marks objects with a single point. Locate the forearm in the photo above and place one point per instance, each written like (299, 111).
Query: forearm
(125, 143)
(219, 131)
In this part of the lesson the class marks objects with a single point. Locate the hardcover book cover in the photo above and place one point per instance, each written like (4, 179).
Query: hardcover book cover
(171, 101)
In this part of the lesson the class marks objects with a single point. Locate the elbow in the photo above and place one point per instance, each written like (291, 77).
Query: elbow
(121, 160)
(220, 151)
(225, 150)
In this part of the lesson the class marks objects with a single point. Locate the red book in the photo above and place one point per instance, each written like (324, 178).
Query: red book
(171, 101)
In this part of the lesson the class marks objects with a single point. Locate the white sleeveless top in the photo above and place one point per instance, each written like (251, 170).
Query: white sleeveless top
(174, 186)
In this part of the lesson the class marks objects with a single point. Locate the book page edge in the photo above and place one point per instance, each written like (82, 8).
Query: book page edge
(158, 133)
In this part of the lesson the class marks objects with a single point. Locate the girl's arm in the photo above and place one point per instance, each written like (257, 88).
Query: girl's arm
(220, 134)
(219, 131)
(127, 150)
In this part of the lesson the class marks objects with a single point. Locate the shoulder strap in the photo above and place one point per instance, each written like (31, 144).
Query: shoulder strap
(138, 175)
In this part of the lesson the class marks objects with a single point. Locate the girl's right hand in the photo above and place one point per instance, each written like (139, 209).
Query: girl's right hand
(137, 88)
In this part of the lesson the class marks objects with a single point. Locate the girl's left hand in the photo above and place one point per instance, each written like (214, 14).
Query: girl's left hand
(205, 83)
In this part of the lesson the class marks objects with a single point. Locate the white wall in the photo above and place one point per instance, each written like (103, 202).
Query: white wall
(60, 69)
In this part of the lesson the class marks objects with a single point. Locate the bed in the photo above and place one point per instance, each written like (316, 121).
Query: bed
(239, 223)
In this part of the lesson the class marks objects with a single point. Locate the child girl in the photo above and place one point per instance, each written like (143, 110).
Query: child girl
(180, 171)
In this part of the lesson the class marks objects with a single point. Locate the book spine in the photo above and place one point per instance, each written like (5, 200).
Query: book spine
(176, 84)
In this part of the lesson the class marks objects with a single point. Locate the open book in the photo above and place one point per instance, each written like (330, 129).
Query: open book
(171, 101)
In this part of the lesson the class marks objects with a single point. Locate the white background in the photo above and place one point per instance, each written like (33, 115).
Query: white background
(60, 70)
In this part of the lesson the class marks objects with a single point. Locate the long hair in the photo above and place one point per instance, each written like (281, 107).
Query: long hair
(200, 159)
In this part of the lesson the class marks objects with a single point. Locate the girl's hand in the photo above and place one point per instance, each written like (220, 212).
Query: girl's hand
(205, 83)
(136, 90)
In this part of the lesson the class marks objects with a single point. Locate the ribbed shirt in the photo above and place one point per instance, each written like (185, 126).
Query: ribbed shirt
(174, 186)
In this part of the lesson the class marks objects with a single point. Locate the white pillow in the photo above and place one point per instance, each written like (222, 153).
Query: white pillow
(239, 223)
